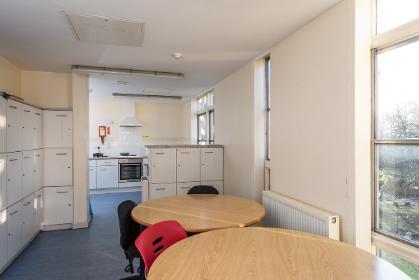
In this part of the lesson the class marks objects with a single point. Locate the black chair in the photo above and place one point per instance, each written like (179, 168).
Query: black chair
(129, 231)
(203, 189)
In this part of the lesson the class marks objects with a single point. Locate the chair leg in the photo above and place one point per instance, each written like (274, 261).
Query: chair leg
(130, 267)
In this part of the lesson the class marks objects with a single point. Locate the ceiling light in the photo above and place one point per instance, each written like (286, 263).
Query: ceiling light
(125, 72)
(177, 55)
(151, 96)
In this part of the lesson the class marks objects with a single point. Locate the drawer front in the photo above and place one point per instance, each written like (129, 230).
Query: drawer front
(14, 229)
(58, 169)
(92, 163)
(14, 177)
(58, 205)
(162, 190)
(183, 188)
(163, 165)
(107, 177)
(92, 177)
(106, 162)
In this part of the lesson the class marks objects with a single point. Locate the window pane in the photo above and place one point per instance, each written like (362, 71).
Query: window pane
(212, 126)
(202, 103)
(202, 128)
(210, 98)
(393, 13)
(397, 176)
(407, 267)
(397, 92)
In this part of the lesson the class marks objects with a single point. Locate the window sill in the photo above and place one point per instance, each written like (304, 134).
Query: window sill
(400, 249)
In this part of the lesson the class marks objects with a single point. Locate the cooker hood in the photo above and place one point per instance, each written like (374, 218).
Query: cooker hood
(127, 107)
(130, 122)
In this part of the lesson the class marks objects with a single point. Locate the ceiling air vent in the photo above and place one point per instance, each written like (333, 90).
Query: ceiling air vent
(106, 30)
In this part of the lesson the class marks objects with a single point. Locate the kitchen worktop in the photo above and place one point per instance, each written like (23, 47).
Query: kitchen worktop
(184, 146)
(116, 157)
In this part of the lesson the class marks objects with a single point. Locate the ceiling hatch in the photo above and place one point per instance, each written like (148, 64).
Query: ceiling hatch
(106, 30)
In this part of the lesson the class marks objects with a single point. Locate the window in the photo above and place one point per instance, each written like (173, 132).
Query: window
(393, 13)
(267, 107)
(206, 118)
(407, 267)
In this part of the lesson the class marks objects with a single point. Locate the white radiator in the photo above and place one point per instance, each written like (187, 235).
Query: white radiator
(288, 213)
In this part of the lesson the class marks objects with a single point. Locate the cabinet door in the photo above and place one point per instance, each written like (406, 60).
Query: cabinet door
(3, 179)
(3, 238)
(219, 185)
(58, 129)
(3, 125)
(28, 124)
(28, 219)
(163, 165)
(28, 173)
(58, 205)
(14, 177)
(14, 230)
(38, 129)
(92, 177)
(188, 164)
(39, 169)
(39, 210)
(211, 164)
(58, 167)
(162, 190)
(14, 126)
(183, 188)
(107, 177)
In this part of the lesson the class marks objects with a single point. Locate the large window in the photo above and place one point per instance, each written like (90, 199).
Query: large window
(206, 118)
(395, 153)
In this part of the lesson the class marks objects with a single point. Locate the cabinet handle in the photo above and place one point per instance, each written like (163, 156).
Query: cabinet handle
(160, 189)
(160, 153)
(208, 152)
(13, 107)
(185, 153)
(27, 111)
(14, 159)
(37, 155)
(27, 157)
(61, 191)
(27, 203)
(61, 116)
(39, 196)
(37, 114)
(61, 154)
(185, 188)
(14, 212)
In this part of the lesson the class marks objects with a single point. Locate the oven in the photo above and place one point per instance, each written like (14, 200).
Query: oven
(130, 170)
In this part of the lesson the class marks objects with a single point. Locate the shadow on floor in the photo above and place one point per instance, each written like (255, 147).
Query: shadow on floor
(92, 253)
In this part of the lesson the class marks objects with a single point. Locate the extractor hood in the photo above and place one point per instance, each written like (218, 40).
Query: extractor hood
(130, 122)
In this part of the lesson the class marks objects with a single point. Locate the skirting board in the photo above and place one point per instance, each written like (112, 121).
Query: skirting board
(56, 227)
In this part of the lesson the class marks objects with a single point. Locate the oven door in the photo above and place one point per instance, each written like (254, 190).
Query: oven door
(130, 172)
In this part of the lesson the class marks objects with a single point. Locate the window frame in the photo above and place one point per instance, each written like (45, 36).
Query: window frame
(206, 110)
(267, 76)
(197, 128)
(210, 127)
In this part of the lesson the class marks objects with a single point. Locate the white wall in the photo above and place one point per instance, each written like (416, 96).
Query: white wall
(9, 77)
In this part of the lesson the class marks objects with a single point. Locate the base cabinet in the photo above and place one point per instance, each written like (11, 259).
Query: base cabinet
(14, 230)
(162, 190)
(92, 178)
(58, 205)
(3, 238)
(183, 188)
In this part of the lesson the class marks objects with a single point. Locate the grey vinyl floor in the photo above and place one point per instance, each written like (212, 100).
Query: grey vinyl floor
(92, 253)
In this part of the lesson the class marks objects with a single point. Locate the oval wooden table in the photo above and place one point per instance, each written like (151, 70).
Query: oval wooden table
(200, 212)
(267, 253)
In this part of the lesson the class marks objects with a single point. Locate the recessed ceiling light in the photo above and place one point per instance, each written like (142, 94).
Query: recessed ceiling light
(177, 55)
(121, 83)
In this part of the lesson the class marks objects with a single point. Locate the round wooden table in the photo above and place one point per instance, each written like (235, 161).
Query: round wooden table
(267, 253)
(200, 212)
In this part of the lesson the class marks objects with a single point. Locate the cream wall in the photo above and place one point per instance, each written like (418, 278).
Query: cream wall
(47, 89)
(9, 77)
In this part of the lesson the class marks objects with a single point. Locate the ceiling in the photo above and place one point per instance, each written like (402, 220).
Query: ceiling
(215, 36)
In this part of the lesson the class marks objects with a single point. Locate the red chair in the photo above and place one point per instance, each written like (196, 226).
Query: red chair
(157, 238)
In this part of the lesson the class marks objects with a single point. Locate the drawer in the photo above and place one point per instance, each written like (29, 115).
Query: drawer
(106, 162)
(162, 190)
(183, 188)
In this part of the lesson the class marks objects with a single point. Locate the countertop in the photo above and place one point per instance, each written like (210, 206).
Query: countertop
(116, 157)
(185, 146)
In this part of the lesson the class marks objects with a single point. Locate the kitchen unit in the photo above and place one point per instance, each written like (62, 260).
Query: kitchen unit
(21, 177)
(174, 169)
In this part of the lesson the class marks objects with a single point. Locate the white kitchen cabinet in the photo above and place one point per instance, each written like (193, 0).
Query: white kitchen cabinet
(188, 164)
(14, 126)
(107, 176)
(39, 169)
(219, 185)
(38, 128)
(3, 125)
(58, 167)
(163, 165)
(28, 124)
(14, 177)
(3, 238)
(162, 190)
(58, 129)
(92, 178)
(28, 219)
(183, 188)
(38, 204)
(58, 205)
(92, 163)
(14, 230)
(28, 173)
(3, 179)
(212, 164)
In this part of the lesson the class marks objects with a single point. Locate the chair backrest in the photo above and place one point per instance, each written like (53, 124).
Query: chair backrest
(128, 228)
(203, 189)
(157, 238)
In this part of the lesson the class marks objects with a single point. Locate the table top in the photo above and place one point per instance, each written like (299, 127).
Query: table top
(267, 253)
(200, 212)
